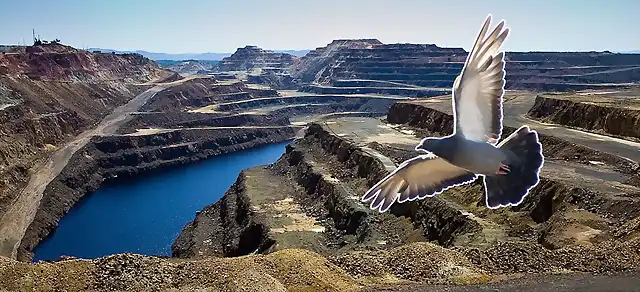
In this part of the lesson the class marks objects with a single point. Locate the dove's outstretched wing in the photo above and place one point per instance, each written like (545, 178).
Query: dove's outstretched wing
(478, 90)
(417, 178)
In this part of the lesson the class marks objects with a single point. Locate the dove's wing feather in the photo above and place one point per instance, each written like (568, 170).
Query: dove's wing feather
(477, 92)
(417, 178)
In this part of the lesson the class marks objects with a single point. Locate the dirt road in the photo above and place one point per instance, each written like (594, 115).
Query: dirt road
(16, 220)
(152, 131)
(626, 282)
(288, 96)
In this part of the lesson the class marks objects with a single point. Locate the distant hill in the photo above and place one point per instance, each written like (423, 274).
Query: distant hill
(169, 63)
(190, 56)
(166, 56)
(298, 53)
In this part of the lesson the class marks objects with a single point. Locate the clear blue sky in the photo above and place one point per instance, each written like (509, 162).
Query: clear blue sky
(188, 26)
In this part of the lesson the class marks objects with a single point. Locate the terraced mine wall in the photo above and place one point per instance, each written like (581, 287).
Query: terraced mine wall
(431, 66)
(576, 58)
(308, 67)
(109, 159)
(251, 57)
(617, 121)
(242, 113)
(51, 93)
(348, 102)
(201, 92)
(411, 92)
(280, 81)
(178, 120)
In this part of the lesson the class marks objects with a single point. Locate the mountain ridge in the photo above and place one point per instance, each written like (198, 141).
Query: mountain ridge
(210, 56)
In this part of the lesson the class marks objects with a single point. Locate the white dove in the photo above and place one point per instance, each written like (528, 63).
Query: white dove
(510, 169)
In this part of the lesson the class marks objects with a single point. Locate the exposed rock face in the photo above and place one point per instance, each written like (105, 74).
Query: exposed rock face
(185, 120)
(51, 93)
(58, 62)
(122, 157)
(225, 229)
(412, 92)
(278, 80)
(312, 187)
(620, 117)
(313, 63)
(553, 193)
(369, 66)
(250, 57)
(263, 67)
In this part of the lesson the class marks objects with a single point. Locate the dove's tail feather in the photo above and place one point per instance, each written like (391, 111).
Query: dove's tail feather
(513, 187)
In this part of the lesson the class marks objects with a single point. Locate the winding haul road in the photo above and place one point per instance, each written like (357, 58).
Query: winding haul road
(16, 220)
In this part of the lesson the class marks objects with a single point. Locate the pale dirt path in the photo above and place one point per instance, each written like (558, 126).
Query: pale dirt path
(19, 216)
(624, 282)
(286, 95)
(152, 131)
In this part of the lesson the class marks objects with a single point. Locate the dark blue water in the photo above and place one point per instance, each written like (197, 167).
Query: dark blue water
(145, 215)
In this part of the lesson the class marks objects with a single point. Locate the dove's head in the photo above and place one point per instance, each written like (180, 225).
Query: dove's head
(429, 144)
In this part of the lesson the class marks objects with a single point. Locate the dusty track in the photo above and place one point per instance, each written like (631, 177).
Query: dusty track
(15, 221)
(556, 283)
(152, 131)
(291, 96)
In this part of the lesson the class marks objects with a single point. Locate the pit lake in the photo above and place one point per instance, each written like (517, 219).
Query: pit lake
(145, 215)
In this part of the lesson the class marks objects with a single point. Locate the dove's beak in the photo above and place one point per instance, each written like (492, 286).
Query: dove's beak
(420, 145)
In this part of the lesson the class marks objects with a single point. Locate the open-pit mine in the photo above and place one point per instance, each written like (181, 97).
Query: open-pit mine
(72, 121)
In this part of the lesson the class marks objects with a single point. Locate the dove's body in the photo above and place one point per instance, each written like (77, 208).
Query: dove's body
(477, 157)
(509, 169)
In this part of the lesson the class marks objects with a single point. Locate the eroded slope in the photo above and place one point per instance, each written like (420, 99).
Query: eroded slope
(55, 98)
(613, 112)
